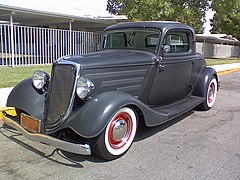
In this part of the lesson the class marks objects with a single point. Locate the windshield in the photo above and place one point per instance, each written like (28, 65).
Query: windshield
(141, 38)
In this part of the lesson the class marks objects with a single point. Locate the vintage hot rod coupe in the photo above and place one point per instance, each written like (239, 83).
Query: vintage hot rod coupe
(145, 72)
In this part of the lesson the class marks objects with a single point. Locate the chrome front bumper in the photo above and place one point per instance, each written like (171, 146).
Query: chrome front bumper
(83, 149)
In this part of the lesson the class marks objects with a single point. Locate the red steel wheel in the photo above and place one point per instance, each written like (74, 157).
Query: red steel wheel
(212, 92)
(118, 134)
(120, 131)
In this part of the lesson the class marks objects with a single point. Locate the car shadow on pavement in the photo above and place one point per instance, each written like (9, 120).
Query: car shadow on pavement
(80, 158)
(145, 132)
(72, 159)
(12, 135)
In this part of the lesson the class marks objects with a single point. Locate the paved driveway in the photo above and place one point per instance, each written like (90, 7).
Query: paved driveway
(199, 145)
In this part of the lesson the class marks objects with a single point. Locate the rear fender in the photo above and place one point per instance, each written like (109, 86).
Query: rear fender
(27, 98)
(202, 82)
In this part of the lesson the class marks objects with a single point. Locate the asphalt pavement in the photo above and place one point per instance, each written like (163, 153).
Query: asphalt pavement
(198, 145)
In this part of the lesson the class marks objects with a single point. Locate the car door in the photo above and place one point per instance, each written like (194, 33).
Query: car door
(172, 76)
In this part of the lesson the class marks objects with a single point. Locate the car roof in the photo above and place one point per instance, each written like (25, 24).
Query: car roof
(162, 25)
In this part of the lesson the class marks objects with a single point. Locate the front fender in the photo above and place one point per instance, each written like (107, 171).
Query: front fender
(27, 98)
(90, 120)
(202, 82)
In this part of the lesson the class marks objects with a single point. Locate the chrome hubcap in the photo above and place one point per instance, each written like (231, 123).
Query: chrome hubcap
(119, 130)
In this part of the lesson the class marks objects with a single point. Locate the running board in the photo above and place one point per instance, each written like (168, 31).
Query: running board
(176, 109)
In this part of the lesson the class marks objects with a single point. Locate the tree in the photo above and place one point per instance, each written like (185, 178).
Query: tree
(186, 11)
(115, 6)
(227, 17)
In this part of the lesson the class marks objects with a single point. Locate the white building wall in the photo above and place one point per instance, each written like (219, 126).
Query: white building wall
(213, 50)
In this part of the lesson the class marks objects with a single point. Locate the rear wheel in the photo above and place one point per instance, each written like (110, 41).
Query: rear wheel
(211, 94)
(118, 135)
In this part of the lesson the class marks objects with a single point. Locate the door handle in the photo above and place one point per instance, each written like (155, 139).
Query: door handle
(161, 67)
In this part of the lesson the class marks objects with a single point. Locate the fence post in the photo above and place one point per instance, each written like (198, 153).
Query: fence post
(70, 37)
(12, 38)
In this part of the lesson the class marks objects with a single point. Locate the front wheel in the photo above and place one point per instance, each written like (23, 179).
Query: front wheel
(118, 135)
(210, 95)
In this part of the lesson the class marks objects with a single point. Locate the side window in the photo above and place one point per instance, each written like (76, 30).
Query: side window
(176, 42)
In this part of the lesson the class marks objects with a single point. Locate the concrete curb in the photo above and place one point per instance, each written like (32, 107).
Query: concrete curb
(226, 67)
(4, 92)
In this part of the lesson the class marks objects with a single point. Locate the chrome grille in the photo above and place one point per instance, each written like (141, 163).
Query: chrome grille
(60, 94)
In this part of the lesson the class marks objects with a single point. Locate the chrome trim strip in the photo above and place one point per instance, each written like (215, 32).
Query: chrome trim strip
(83, 149)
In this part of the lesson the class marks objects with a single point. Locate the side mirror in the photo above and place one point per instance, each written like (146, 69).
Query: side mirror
(166, 48)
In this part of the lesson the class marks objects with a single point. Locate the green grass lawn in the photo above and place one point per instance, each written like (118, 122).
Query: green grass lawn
(211, 62)
(9, 77)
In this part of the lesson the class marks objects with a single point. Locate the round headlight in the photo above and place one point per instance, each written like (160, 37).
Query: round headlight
(84, 87)
(39, 79)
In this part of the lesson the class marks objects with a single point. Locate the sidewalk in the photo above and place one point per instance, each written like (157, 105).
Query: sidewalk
(4, 92)
(226, 67)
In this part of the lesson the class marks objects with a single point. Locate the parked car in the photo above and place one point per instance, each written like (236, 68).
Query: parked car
(145, 72)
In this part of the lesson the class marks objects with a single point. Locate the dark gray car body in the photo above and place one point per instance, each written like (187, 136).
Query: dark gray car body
(158, 86)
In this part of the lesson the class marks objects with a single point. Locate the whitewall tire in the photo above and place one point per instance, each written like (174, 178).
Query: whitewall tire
(118, 135)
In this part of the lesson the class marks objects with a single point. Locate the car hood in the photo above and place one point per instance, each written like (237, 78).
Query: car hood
(113, 58)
